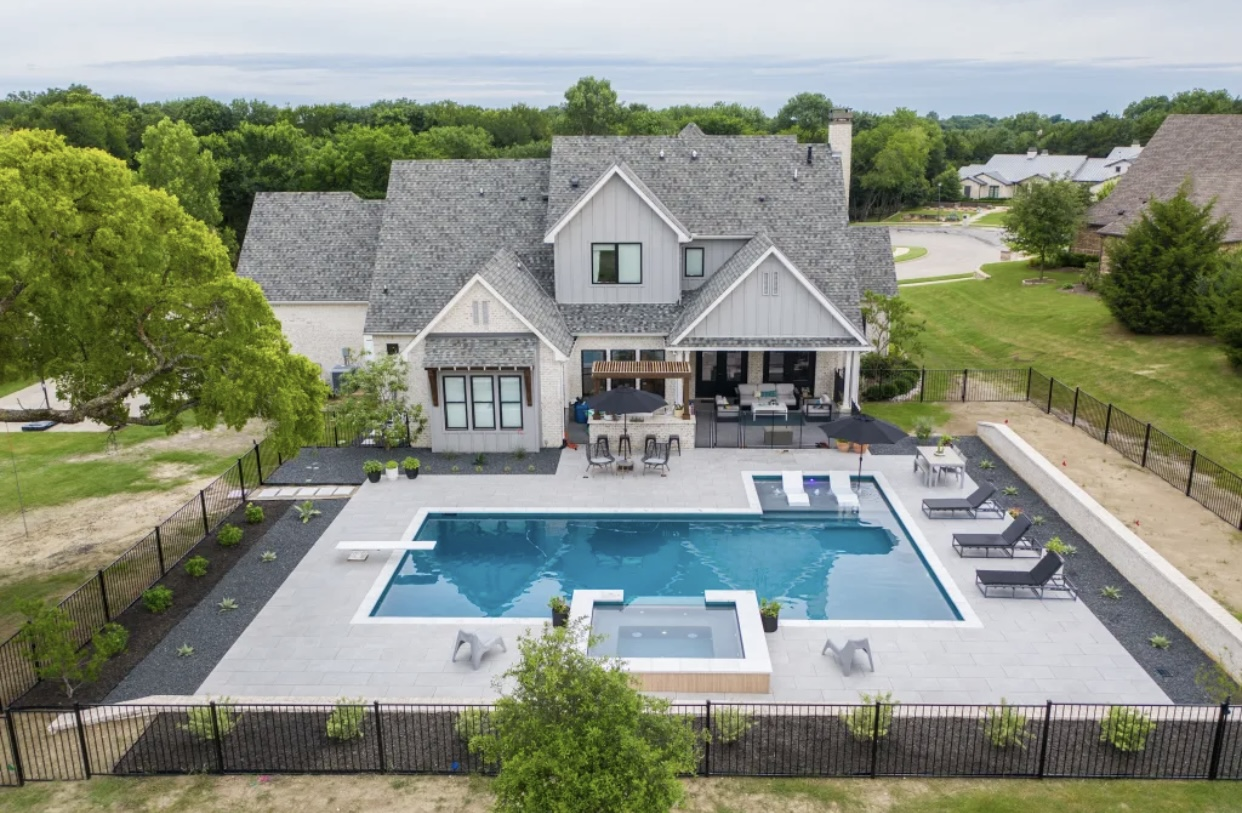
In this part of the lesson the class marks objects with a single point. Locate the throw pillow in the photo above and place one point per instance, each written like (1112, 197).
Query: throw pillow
(768, 394)
(757, 392)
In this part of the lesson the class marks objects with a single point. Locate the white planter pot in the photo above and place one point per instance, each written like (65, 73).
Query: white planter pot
(392, 473)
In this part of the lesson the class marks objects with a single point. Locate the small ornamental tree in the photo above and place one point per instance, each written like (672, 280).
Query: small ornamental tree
(1158, 270)
(375, 401)
(891, 325)
(1045, 217)
(54, 652)
(575, 734)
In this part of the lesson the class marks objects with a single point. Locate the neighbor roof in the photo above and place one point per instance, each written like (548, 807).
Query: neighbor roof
(1202, 148)
(1018, 168)
(311, 246)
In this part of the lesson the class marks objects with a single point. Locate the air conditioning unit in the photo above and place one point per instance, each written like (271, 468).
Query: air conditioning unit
(339, 372)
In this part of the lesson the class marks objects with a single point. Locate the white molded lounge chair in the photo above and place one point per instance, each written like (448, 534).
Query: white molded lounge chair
(839, 482)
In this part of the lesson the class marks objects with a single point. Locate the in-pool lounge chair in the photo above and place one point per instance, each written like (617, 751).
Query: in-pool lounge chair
(1008, 542)
(980, 500)
(1038, 579)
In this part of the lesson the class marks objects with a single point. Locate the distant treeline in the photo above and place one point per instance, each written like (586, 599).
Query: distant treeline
(900, 159)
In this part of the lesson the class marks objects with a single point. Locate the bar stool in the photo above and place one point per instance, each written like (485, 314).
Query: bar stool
(648, 442)
(601, 447)
(674, 440)
(623, 446)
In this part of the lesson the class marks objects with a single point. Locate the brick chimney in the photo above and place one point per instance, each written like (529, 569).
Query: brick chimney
(840, 140)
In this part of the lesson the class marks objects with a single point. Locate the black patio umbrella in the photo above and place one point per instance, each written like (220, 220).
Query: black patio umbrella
(625, 400)
(860, 428)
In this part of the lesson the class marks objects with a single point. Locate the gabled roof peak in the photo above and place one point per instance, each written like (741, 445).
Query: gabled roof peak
(691, 130)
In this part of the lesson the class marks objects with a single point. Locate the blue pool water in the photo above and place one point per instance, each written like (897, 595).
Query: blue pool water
(818, 565)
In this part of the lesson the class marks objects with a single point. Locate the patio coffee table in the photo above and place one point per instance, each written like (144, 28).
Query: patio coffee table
(772, 408)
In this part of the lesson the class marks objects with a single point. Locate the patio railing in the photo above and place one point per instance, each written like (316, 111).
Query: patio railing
(747, 739)
(114, 588)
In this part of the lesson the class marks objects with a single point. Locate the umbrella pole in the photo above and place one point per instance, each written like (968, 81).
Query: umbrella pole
(860, 455)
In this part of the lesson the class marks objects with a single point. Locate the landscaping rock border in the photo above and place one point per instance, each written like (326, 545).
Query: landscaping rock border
(212, 631)
(327, 466)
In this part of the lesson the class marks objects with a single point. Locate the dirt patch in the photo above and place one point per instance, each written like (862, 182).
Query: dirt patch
(1193, 539)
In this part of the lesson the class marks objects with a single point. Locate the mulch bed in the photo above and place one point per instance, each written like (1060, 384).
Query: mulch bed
(147, 629)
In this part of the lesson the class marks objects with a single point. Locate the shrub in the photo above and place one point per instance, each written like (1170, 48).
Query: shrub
(862, 721)
(455, 469)
(1109, 591)
(185, 651)
(729, 723)
(157, 599)
(1074, 259)
(254, 514)
(229, 536)
(1091, 276)
(1010, 491)
(1062, 549)
(531, 468)
(508, 469)
(478, 469)
(1160, 641)
(1038, 519)
(345, 721)
(923, 429)
(196, 566)
(267, 556)
(480, 459)
(986, 464)
(198, 720)
(307, 511)
(372, 467)
(53, 650)
(227, 604)
(1217, 684)
(887, 377)
(1126, 729)
(1005, 726)
(519, 454)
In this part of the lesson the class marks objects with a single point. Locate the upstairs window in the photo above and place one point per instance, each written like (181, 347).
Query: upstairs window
(694, 262)
(617, 263)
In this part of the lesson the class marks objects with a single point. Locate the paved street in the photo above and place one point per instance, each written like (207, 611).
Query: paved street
(950, 250)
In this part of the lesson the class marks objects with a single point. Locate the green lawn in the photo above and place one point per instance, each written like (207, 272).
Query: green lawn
(991, 219)
(913, 254)
(935, 279)
(906, 413)
(1182, 384)
(10, 387)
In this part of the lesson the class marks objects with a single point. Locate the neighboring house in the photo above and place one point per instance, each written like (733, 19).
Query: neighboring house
(504, 281)
(1203, 149)
(1001, 176)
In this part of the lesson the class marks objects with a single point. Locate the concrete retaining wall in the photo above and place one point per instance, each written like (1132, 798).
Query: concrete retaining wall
(1207, 623)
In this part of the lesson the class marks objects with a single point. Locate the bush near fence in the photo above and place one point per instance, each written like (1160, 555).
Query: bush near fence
(1052, 740)
(114, 588)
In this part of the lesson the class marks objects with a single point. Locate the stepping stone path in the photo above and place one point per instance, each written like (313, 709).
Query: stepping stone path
(303, 493)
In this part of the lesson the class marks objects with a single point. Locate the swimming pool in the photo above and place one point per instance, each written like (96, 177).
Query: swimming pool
(819, 565)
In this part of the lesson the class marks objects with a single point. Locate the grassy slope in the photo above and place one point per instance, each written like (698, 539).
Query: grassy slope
(991, 219)
(10, 387)
(1182, 384)
(913, 254)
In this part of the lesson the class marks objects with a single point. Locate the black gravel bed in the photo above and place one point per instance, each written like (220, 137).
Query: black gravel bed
(1132, 619)
(212, 631)
(905, 446)
(147, 629)
(326, 466)
(269, 741)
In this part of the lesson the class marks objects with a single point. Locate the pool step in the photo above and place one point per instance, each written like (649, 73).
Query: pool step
(302, 493)
(791, 484)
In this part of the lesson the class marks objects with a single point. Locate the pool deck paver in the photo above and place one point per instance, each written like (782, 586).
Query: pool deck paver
(303, 645)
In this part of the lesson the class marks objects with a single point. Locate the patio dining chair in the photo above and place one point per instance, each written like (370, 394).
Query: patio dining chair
(657, 458)
(598, 457)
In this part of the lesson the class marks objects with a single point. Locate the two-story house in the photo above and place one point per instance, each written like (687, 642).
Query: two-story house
(504, 281)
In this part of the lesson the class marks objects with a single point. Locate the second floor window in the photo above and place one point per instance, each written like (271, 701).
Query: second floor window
(616, 263)
(694, 262)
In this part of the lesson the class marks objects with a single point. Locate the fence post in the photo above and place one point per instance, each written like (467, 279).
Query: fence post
(241, 478)
(280, 459)
(875, 740)
(379, 739)
(1074, 415)
(1218, 741)
(1043, 739)
(103, 596)
(965, 375)
(1146, 443)
(258, 462)
(922, 384)
(408, 440)
(11, 727)
(215, 736)
(1051, 381)
(1108, 422)
(202, 502)
(336, 434)
(707, 743)
(1190, 481)
(86, 758)
(1030, 374)
(159, 550)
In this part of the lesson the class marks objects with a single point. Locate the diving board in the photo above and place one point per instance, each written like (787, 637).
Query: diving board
(791, 484)
(839, 483)
(400, 544)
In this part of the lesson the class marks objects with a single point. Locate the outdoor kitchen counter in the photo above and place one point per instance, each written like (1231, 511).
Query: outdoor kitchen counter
(659, 425)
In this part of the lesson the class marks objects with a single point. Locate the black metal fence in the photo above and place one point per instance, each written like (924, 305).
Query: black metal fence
(339, 433)
(114, 588)
(1215, 487)
(1052, 740)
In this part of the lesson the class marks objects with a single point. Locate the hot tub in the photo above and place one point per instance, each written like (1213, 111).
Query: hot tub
(714, 644)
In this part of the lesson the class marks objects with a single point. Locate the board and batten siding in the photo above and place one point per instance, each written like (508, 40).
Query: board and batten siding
(794, 311)
(715, 254)
(321, 331)
(617, 215)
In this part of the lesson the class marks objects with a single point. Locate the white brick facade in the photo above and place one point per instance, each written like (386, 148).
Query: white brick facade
(319, 331)
(573, 370)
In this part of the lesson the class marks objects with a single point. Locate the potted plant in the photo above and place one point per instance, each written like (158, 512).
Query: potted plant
(560, 611)
(843, 445)
(391, 469)
(373, 469)
(679, 410)
(769, 613)
(411, 464)
(945, 440)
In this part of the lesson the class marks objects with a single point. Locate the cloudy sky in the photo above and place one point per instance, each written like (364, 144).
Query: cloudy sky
(1075, 57)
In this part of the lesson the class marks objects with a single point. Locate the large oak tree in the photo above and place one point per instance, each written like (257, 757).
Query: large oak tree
(109, 289)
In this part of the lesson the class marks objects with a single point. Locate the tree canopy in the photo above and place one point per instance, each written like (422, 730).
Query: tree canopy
(1045, 216)
(109, 289)
(172, 159)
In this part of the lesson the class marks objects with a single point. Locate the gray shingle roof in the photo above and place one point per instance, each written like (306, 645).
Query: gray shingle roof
(701, 299)
(653, 320)
(311, 246)
(1204, 148)
(770, 342)
(1124, 153)
(489, 350)
(443, 221)
(873, 257)
(509, 276)
(1020, 167)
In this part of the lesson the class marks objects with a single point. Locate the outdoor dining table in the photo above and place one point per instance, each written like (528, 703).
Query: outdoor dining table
(937, 464)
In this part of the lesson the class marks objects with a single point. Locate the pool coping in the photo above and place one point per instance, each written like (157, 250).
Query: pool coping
(398, 548)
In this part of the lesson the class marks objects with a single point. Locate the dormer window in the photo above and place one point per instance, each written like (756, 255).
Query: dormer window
(694, 262)
(617, 263)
